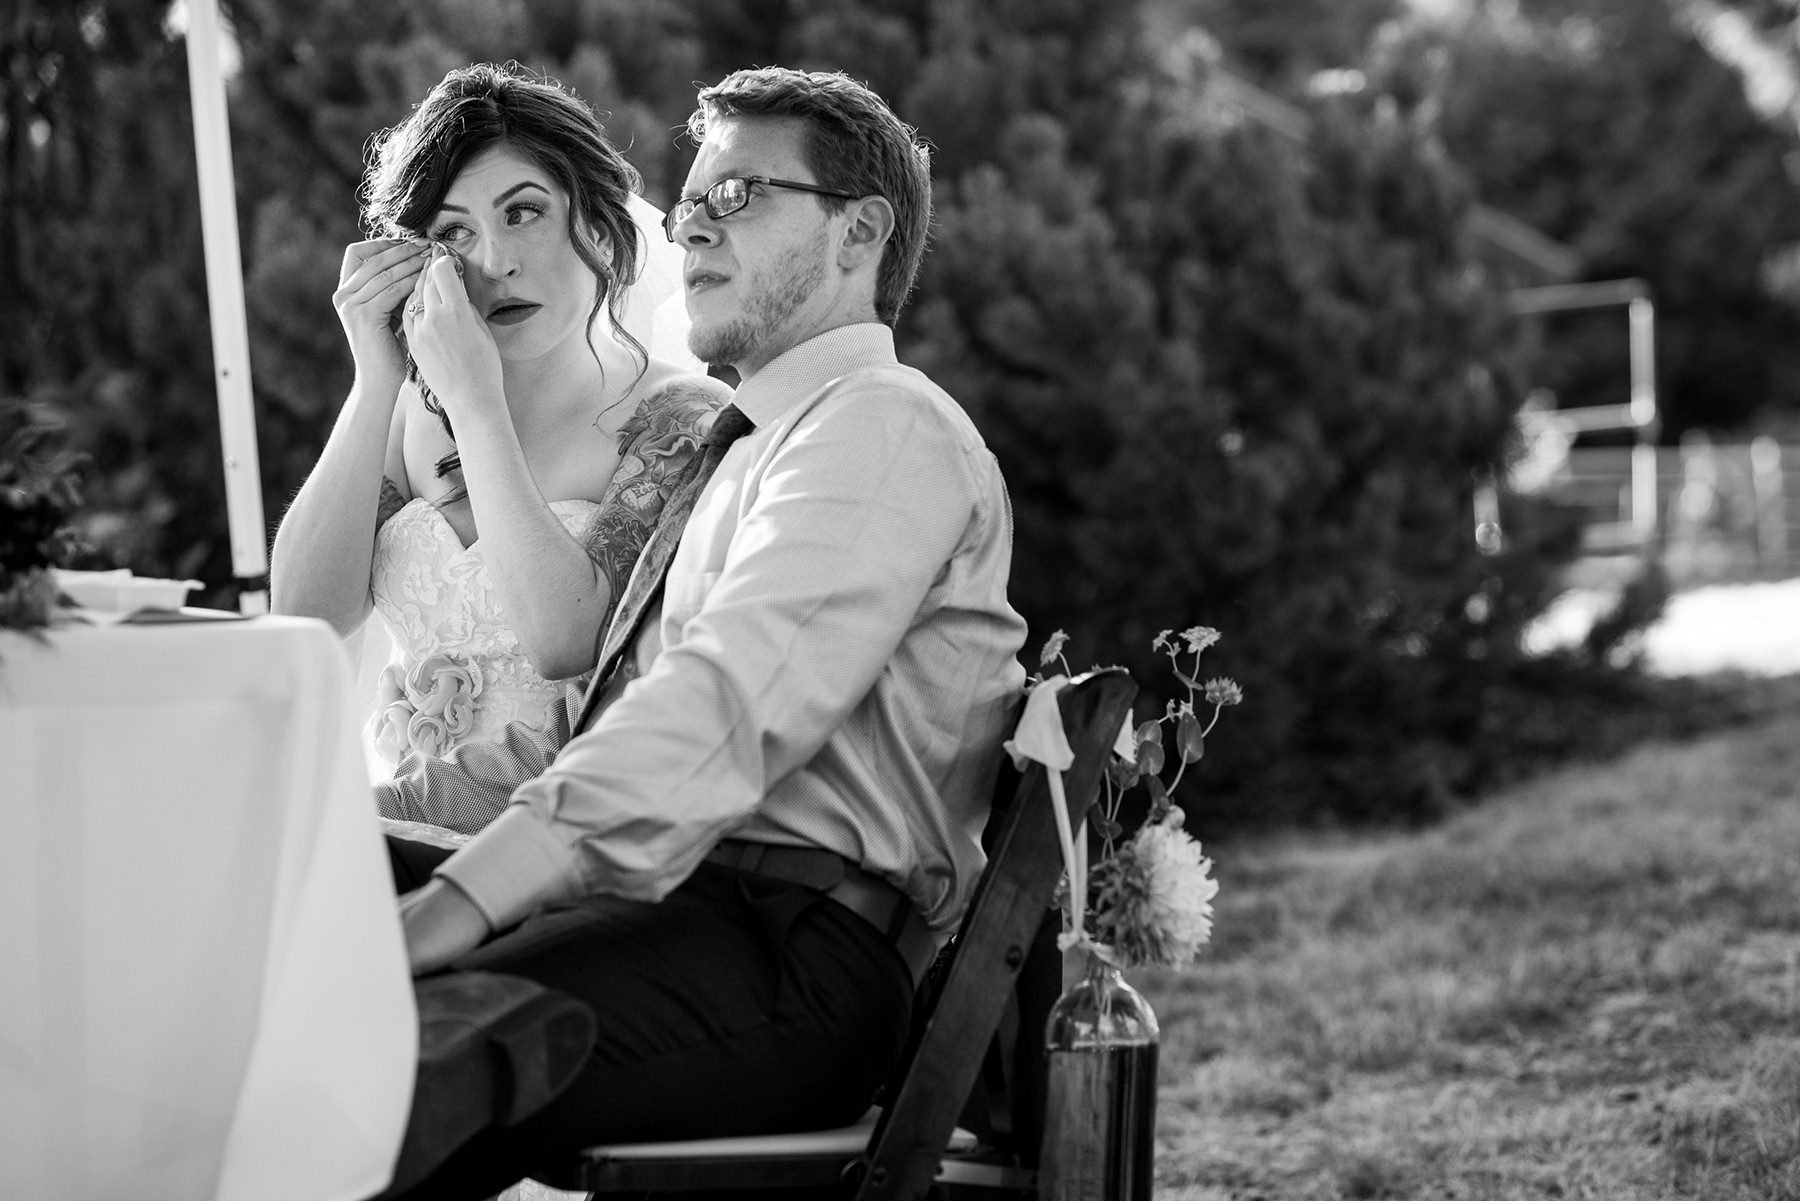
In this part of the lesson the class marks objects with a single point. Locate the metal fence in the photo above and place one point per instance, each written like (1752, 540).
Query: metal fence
(1724, 512)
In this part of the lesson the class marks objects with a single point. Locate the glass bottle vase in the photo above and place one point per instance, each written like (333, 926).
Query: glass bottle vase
(1100, 1111)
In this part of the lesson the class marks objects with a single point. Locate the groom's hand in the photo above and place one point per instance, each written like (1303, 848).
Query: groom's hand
(441, 925)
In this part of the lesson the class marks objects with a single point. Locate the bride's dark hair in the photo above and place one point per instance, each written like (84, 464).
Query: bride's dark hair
(474, 109)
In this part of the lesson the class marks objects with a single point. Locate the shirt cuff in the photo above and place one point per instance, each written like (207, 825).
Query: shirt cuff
(513, 868)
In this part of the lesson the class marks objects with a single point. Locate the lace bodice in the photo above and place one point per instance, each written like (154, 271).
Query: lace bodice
(450, 635)
(457, 673)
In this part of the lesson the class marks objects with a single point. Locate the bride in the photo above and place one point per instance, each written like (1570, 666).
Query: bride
(508, 442)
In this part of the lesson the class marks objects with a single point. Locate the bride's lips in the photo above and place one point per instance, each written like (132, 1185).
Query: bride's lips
(512, 312)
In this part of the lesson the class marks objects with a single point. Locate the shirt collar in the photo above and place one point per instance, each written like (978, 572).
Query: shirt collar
(796, 374)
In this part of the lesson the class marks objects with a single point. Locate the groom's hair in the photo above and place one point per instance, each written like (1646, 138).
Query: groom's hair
(853, 143)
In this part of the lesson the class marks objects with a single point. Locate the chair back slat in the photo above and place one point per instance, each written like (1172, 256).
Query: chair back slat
(1004, 914)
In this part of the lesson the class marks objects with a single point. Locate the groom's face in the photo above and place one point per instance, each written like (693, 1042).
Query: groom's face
(761, 280)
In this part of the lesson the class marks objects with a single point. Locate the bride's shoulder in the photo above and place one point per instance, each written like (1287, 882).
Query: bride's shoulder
(676, 411)
(684, 397)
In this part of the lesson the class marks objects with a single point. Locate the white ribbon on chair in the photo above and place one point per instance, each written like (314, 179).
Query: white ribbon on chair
(1041, 738)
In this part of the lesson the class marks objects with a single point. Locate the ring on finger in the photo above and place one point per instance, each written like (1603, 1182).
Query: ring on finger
(416, 308)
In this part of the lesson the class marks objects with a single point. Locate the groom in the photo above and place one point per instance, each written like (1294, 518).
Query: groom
(767, 818)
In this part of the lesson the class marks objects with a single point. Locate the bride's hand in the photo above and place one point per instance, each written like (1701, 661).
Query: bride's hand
(451, 342)
(375, 279)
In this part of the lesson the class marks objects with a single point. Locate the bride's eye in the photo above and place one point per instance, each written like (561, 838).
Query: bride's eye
(521, 213)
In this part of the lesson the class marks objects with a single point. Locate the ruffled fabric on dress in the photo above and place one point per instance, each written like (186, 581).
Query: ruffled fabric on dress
(457, 671)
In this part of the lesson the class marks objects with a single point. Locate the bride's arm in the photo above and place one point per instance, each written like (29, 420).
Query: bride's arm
(323, 549)
(554, 595)
(561, 630)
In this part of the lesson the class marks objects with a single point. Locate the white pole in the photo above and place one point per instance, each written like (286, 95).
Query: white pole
(1641, 324)
(225, 301)
(1640, 318)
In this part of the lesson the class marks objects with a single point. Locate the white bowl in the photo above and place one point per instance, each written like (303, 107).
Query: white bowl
(121, 592)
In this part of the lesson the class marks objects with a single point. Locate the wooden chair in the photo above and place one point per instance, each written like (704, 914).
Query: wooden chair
(911, 1147)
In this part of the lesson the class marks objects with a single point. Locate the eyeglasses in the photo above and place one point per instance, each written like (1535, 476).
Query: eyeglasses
(729, 195)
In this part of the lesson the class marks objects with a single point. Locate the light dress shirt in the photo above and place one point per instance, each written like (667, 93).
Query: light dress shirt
(834, 664)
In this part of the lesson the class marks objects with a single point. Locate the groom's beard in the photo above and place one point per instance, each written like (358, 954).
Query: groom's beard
(774, 297)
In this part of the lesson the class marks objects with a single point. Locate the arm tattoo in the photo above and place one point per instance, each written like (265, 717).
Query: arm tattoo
(658, 440)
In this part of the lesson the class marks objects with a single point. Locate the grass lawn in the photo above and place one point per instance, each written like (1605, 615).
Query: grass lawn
(1589, 987)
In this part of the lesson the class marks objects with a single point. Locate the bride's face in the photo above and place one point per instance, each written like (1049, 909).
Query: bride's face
(508, 220)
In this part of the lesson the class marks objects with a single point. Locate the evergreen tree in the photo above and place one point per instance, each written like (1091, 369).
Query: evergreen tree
(104, 277)
(1607, 124)
(1282, 44)
(1235, 384)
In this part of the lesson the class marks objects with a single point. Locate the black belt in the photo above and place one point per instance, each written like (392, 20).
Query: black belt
(866, 895)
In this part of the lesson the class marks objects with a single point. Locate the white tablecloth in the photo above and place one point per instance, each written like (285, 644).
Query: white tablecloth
(203, 986)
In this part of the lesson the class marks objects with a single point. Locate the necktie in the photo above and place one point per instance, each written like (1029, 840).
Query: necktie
(646, 581)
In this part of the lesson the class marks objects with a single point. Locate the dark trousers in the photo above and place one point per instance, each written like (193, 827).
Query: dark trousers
(736, 1005)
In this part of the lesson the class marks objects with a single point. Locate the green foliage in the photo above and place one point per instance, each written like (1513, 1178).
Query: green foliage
(1232, 380)
(1283, 42)
(106, 325)
(1608, 124)
(39, 487)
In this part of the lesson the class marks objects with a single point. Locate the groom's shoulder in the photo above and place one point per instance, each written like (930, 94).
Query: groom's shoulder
(904, 389)
(907, 392)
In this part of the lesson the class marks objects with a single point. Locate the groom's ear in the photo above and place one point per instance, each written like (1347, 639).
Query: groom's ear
(871, 225)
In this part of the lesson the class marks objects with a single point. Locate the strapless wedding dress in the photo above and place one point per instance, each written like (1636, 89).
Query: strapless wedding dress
(456, 672)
